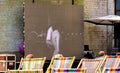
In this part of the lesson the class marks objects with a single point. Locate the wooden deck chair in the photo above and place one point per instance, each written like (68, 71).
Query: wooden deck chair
(68, 70)
(110, 61)
(30, 64)
(111, 70)
(61, 62)
(91, 65)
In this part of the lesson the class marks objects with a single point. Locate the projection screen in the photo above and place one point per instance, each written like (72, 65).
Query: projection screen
(52, 29)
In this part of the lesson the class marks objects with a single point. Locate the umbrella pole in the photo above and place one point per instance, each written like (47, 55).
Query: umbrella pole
(107, 37)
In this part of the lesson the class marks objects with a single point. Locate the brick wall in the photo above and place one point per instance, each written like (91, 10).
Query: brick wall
(11, 25)
(111, 7)
(11, 22)
(68, 2)
(96, 35)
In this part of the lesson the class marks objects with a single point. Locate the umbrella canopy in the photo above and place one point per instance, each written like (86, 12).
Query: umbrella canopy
(105, 20)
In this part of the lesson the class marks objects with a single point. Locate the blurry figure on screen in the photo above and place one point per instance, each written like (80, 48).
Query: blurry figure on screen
(53, 38)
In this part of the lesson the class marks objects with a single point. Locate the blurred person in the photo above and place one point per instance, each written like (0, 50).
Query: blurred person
(29, 56)
(89, 55)
(101, 55)
(21, 48)
(53, 39)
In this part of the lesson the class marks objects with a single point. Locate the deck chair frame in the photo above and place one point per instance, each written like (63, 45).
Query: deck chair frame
(40, 70)
(111, 70)
(107, 59)
(25, 71)
(68, 70)
(52, 62)
(90, 60)
(22, 60)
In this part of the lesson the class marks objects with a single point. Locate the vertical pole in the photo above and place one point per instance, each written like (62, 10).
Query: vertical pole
(72, 2)
(107, 39)
(33, 1)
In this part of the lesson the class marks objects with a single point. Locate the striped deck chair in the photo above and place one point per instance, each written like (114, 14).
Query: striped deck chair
(69, 70)
(30, 65)
(91, 65)
(61, 62)
(111, 70)
(110, 62)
